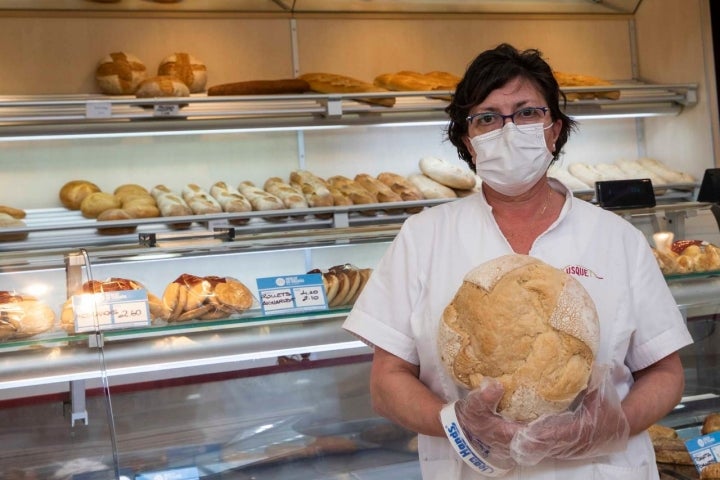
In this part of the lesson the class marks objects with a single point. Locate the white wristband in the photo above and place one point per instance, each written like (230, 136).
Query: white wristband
(477, 461)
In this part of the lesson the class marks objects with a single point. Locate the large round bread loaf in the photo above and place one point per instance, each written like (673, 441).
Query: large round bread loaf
(531, 326)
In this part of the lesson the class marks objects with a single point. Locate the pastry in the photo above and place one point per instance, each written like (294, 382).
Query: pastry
(186, 68)
(120, 73)
(526, 324)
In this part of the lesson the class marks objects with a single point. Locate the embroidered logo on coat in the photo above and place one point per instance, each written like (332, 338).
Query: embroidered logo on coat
(580, 271)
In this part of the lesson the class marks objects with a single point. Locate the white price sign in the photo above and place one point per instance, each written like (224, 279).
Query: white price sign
(292, 293)
(111, 310)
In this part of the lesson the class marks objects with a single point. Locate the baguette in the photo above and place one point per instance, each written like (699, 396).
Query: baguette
(332, 83)
(382, 192)
(290, 196)
(353, 191)
(313, 188)
(261, 87)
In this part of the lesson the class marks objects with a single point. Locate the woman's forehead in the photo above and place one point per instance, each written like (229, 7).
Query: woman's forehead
(516, 91)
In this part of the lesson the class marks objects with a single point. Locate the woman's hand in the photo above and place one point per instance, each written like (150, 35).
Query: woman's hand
(597, 426)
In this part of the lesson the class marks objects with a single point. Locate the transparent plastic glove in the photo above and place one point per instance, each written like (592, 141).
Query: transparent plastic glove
(596, 426)
(474, 420)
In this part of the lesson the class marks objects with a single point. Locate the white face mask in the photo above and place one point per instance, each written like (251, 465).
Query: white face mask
(513, 158)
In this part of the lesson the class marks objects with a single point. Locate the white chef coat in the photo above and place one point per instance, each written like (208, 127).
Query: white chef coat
(401, 305)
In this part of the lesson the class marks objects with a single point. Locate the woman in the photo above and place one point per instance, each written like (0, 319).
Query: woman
(505, 121)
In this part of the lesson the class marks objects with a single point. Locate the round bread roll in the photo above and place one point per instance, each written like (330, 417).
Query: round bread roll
(528, 325)
(162, 86)
(447, 174)
(115, 214)
(74, 192)
(96, 203)
(186, 68)
(120, 73)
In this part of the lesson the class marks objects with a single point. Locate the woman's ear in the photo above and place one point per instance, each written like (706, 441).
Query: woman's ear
(468, 145)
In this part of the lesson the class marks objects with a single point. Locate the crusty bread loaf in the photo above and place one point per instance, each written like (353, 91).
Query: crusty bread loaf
(186, 68)
(291, 197)
(261, 87)
(402, 186)
(343, 283)
(115, 214)
(430, 188)
(579, 80)
(199, 200)
(353, 191)
(667, 173)
(407, 80)
(711, 423)
(530, 326)
(162, 86)
(129, 190)
(586, 173)
(710, 472)
(7, 221)
(120, 73)
(567, 179)
(333, 83)
(313, 188)
(231, 201)
(261, 200)
(447, 173)
(379, 190)
(171, 205)
(74, 192)
(96, 203)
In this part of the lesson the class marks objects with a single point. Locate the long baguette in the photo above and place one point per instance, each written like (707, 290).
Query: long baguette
(261, 87)
(333, 83)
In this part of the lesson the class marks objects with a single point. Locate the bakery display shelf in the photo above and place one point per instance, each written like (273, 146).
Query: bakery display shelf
(45, 116)
(180, 349)
(61, 230)
(664, 194)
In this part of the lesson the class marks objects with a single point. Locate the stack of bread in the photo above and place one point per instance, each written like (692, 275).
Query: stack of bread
(685, 256)
(113, 284)
(192, 297)
(343, 283)
(23, 316)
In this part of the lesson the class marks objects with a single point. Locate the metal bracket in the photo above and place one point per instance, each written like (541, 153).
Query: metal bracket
(78, 410)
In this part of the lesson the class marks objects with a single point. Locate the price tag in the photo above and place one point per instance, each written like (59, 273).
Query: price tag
(166, 110)
(111, 310)
(295, 293)
(98, 109)
(187, 473)
(704, 450)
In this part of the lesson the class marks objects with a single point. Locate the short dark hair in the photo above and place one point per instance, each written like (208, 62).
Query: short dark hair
(491, 70)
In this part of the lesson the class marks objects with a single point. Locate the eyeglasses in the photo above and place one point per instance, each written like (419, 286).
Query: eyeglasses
(489, 121)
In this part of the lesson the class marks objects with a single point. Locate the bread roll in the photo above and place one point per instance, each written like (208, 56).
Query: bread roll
(261, 87)
(379, 190)
(710, 472)
(567, 179)
(199, 200)
(23, 316)
(332, 83)
(353, 191)
(446, 173)
(231, 201)
(115, 214)
(96, 203)
(670, 175)
(74, 192)
(402, 186)
(130, 190)
(530, 326)
(291, 197)
(261, 200)
(171, 205)
(711, 423)
(609, 171)
(586, 173)
(162, 86)
(141, 207)
(313, 188)
(186, 68)
(6, 221)
(120, 73)
(431, 189)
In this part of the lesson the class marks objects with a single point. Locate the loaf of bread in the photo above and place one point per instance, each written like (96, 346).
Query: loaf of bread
(313, 188)
(171, 205)
(671, 451)
(16, 213)
(447, 173)
(115, 214)
(408, 80)
(23, 316)
(710, 472)
(199, 200)
(431, 189)
(162, 86)
(586, 173)
(6, 221)
(120, 73)
(711, 423)
(112, 284)
(567, 179)
(261, 200)
(402, 186)
(379, 190)
(186, 68)
(579, 80)
(74, 192)
(353, 191)
(291, 197)
(333, 83)
(530, 326)
(670, 175)
(261, 87)
(192, 297)
(96, 203)
(231, 201)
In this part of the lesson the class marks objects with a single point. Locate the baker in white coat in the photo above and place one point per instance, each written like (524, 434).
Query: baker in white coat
(506, 122)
